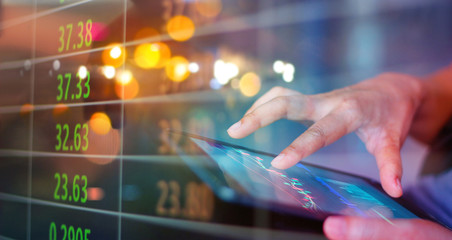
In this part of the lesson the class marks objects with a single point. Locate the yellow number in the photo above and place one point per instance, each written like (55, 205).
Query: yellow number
(61, 29)
(80, 34)
(69, 27)
(174, 198)
(89, 35)
(164, 194)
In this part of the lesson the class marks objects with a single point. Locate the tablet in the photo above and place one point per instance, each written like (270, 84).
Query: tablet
(244, 176)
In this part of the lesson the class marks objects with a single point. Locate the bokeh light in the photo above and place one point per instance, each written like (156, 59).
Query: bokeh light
(59, 109)
(224, 72)
(82, 72)
(250, 84)
(193, 67)
(209, 8)
(148, 32)
(107, 145)
(124, 77)
(114, 55)
(147, 55)
(26, 108)
(109, 72)
(278, 66)
(177, 69)
(165, 54)
(127, 91)
(100, 123)
(95, 193)
(180, 28)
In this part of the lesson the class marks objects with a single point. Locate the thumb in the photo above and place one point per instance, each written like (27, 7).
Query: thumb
(374, 228)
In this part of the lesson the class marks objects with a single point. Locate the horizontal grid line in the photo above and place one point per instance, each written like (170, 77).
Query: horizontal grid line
(144, 158)
(177, 97)
(242, 23)
(196, 226)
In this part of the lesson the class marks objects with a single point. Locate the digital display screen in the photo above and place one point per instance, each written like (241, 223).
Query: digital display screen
(89, 87)
(309, 190)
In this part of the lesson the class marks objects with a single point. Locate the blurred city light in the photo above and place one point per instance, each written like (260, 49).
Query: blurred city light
(100, 123)
(224, 72)
(209, 8)
(82, 72)
(250, 84)
(193, 67)
(147, 55)
(109, 72)
(114, 55)
(180, 28)
(177, 69)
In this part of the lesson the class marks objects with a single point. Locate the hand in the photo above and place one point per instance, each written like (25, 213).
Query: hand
(371, 228)
(380, 110)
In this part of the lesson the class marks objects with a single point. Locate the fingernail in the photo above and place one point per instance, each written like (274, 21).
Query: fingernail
(277, 161)
(398, 185)
(335, 228)
(235, 126)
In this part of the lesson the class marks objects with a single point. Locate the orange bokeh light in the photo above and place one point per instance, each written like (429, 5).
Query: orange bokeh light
(165, 54)
(114, 55)
(177, 69)
(180, 28)
(127, 90)
(147, 32)
(100, 123)
(209, 8)
(59, 109)
(26, 108)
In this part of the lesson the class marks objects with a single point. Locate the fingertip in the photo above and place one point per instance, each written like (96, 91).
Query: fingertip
(233, 130)
(278, 161)
(392, 186)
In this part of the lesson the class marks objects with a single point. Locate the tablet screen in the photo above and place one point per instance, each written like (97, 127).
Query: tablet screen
(250, 178)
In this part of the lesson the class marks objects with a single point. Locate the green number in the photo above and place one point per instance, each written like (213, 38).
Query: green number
(64, 228)
(65, 128)
(60, 88)
(77, 137)
(52, 231)
(64, 196)
(85, 193)
(88, 36)
(55, 194)
(76, 188)
(80, 34)
(61, 1)
(79, 87)
(69, 27)
(61, 29)
(58, 137)
(87, 232)
(85, 137)
(71, 234)
(68, 77)
(79, 234)
(88, 89)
